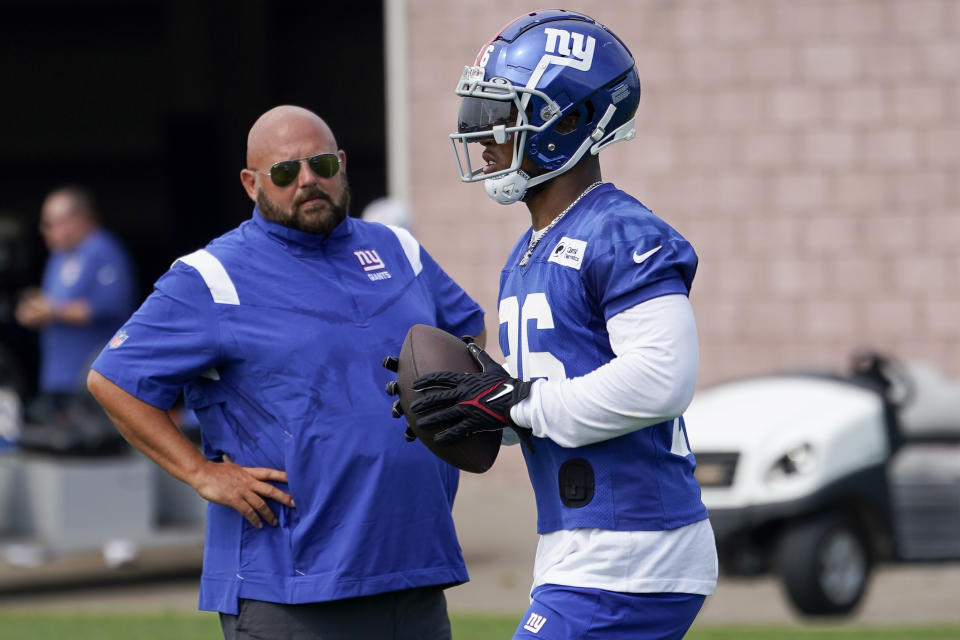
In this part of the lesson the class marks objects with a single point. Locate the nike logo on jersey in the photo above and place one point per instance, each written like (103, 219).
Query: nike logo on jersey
(507, 388)
(640, 257)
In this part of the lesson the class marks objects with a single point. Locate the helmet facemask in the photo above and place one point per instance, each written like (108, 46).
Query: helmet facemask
(495, 109)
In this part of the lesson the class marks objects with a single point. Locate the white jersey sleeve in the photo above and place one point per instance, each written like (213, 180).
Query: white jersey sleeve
(651, 379)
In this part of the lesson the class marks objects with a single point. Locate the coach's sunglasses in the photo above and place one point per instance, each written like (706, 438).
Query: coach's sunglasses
(324, 165)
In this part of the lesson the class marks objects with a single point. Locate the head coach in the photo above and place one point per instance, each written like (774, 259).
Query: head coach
(322, 522)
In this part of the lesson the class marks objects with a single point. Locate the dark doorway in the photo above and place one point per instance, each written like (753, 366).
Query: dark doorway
(148, 103)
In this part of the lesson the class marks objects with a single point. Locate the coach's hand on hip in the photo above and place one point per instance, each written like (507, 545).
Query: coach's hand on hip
(151, 430)
(243, 489)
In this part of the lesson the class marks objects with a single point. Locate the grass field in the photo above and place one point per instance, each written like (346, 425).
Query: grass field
(41, 626)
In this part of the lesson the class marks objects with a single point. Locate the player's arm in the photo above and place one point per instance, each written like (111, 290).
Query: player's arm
(76, 312)
(108, 296)
(37, 310)
(170, 340)
(151, 430)
(651, 379)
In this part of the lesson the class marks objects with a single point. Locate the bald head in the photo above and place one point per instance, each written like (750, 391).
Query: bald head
(67, 217)
(282, 128)
(313, 202)
(75, 199)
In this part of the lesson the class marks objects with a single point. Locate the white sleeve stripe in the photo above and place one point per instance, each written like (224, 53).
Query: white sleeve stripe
(410, 247)
(213, 274)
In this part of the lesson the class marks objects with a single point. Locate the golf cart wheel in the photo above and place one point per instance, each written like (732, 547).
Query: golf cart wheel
(824, 564)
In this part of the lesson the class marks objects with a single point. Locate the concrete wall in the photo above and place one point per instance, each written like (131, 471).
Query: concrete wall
(809, 149)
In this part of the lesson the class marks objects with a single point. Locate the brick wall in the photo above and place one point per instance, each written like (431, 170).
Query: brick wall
(809, 149)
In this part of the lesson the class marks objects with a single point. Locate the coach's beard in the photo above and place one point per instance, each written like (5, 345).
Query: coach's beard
(319, 219)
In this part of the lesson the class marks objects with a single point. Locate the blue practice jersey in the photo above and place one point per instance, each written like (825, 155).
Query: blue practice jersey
(98, 270)
(277, 338)
(607, 254)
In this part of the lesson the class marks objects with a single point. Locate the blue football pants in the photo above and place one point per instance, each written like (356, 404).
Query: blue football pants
(564, 613)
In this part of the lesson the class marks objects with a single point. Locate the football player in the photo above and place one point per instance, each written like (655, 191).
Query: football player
(599, 337)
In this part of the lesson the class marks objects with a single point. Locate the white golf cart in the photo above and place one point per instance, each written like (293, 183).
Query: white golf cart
(817, 477)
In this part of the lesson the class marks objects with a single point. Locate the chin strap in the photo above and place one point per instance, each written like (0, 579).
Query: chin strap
(626, 131)
(508, 188)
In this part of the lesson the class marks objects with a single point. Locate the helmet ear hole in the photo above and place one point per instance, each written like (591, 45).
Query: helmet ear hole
(591, 111)
(568, 123)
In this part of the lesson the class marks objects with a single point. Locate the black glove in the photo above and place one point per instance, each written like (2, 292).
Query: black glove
(390, 363)
(469, 403)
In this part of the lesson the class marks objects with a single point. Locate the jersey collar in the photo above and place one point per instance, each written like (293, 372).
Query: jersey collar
(299, 242)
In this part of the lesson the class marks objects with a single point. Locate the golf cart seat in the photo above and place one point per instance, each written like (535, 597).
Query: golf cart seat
(932, 412)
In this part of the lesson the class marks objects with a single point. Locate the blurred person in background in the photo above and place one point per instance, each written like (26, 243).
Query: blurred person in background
(275, 331)
(389, 211)
(88, 291)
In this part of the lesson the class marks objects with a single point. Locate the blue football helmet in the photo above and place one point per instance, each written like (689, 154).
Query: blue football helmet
(540, 68)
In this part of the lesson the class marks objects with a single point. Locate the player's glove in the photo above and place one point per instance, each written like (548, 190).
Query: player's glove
(391, 363)
(462, 404)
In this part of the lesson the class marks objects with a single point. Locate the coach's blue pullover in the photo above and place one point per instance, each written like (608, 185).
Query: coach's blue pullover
(276, 338)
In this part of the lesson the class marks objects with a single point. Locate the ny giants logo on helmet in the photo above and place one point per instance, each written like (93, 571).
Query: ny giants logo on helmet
(558, 40)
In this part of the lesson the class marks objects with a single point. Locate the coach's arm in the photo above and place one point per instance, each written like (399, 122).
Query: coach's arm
(152, 431)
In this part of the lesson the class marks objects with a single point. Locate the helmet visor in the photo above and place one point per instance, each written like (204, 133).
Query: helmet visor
(480, 114)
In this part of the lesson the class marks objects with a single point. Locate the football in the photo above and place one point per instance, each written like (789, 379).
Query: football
(425, 350)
